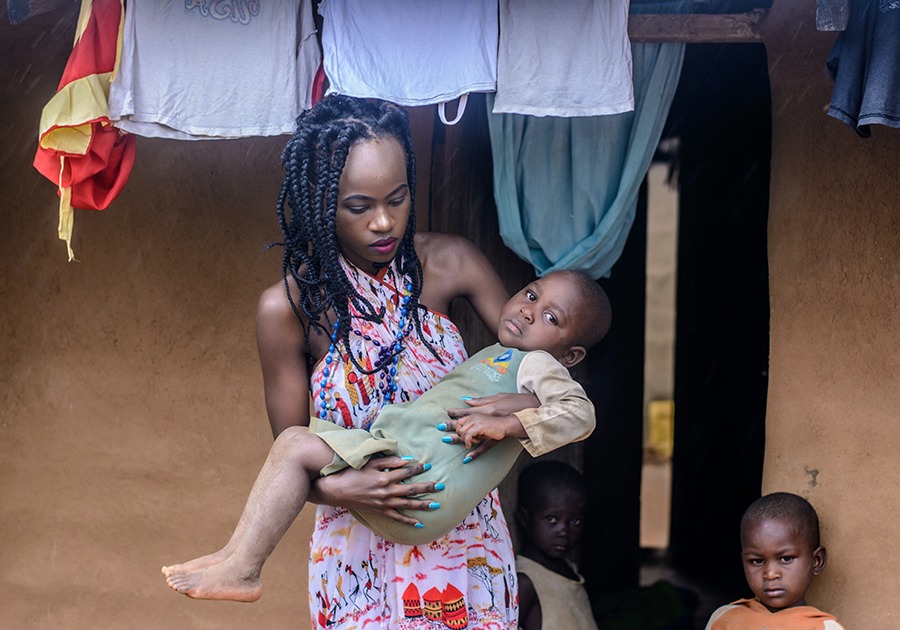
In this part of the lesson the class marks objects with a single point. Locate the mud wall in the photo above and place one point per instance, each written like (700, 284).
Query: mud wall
(131, 413)
(834, 384)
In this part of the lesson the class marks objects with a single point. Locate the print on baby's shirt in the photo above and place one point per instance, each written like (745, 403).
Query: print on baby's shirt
(494, 367)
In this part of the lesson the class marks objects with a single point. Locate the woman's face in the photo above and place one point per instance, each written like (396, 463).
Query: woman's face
(373, 203)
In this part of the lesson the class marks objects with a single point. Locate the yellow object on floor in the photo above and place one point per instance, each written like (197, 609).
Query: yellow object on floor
(661, 427)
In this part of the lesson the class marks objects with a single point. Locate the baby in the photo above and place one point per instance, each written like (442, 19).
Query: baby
(781, 555)
(545, 329)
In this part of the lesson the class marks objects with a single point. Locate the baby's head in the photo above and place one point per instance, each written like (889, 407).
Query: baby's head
(564, 313)
(780, 549)
(552, 498)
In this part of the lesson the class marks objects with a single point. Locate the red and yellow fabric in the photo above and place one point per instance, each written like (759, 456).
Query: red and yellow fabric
(79, 150)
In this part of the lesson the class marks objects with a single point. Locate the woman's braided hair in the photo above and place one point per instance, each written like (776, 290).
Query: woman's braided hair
(313, 161)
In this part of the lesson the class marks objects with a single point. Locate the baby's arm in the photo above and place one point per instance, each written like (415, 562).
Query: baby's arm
(566, 413)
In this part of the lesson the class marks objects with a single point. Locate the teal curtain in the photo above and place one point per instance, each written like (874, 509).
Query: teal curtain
(566, 188)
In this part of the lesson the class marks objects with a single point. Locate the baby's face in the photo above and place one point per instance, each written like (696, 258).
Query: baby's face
(543, 316)
(779, 563)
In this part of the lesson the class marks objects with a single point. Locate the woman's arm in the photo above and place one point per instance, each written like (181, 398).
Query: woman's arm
(282, 356)
(455, 268)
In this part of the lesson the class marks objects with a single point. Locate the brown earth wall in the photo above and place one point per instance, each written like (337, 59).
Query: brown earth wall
(132, 422)
(832, 431)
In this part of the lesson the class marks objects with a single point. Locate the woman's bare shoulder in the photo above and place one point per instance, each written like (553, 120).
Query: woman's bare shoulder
(274, 309)
(445, 252)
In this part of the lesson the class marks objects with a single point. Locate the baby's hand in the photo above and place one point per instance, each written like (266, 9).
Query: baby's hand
(478, 427)
(481, 431)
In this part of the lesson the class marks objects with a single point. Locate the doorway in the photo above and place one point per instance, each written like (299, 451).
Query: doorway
(720, 122)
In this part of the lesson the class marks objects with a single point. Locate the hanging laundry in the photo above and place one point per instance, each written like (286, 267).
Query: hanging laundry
(565, 59)
(79, 150)
(865, 65)
(576, 210)
(202, 69)
(411, 52)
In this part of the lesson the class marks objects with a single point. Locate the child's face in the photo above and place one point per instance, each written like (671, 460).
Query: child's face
(554, 524)
(544, 316)
(779, 563)
(373, 203)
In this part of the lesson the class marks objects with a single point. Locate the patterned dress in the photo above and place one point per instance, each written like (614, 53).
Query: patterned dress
(359, 580)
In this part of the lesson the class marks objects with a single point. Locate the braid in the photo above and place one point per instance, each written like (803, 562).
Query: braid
(313, 161)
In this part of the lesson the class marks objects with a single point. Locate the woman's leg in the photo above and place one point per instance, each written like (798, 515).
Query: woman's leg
(278, 495)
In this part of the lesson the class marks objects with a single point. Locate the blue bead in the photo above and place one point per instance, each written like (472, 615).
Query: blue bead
(403, 313)
(331, 348)
(322, 394)
(367, 338)
(323, 383)
(328, 360)
(326, 372)
(394, 388)
(406, 299)
(393, 371)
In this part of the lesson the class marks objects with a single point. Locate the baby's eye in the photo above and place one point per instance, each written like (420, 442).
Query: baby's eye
(551, 318)
(756, 562)
(530, 296)
(575, 521)
(552, 519)
(787, 559)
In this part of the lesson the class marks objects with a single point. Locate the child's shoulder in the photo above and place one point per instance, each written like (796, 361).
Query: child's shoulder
(740, 613)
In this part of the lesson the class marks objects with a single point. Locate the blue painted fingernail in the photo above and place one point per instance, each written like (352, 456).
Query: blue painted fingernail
(466, 459)
(465, 398)
(434, 505)
(447, 439)
(426, 467)
(439, 486)
(407, 458)
(420, 526)
(442, 426)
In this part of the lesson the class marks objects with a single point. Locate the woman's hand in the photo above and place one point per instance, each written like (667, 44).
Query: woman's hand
(375, 488)
(497, 405)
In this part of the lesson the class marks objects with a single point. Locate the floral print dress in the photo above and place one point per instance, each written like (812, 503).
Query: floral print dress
(357, 579)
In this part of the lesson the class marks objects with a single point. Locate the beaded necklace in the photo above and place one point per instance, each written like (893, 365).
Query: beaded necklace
(386, 365)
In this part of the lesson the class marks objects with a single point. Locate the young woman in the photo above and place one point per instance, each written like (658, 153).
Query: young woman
(357, 324)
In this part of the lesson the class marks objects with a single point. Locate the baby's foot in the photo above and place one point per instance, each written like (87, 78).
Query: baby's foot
(219, 581)
(217, 557)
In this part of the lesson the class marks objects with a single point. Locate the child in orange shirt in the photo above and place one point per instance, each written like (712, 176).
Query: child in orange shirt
(781, 555)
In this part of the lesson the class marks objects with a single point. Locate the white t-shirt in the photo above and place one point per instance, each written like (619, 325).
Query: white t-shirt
(564, 59)
(411, 52)
(193, 70)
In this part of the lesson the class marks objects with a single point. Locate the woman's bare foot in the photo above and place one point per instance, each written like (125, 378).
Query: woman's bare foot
(219, 581)
(217, 557)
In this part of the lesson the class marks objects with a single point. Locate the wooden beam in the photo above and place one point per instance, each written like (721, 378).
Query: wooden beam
(697, 28)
